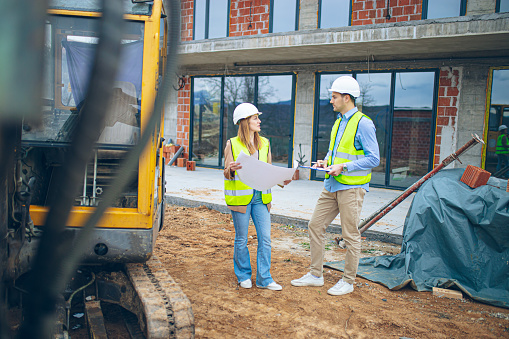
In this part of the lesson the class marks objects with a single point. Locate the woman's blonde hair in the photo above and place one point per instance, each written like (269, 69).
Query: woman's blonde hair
(244, 134)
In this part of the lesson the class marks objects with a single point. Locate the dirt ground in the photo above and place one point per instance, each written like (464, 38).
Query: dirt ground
(196, 246)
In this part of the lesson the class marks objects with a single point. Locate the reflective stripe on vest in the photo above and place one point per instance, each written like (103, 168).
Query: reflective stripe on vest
(237, 193)
(346, 152)
(500, 146)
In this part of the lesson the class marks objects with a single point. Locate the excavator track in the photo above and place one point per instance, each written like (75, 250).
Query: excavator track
(164, 310)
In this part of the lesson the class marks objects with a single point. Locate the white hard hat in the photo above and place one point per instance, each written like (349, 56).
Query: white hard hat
(502, 127)
(243, 111)
(346, 85)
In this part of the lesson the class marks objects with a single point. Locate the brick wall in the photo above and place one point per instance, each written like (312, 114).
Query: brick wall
(367, 12)
(411, 134)
(249, 17)
(447, 108)
(183, 116)
(186, 20)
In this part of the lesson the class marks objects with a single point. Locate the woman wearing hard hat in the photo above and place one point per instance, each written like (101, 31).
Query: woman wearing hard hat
(245, 202)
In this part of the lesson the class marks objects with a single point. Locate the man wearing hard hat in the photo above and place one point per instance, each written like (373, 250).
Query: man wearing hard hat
(502, 149)
(353, 152)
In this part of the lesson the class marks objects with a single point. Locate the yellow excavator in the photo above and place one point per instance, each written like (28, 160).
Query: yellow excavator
(82, 175)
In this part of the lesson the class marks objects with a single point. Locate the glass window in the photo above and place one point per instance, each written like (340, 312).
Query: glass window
(444, 9)
(412, 127)
(401, 107)
(498, 115)
(206, 120)
(210, 21)
(375, 103)
(200, 19)
(334, 13)
(502, 6)
(284, 15)
(70, 50)
(215, 99)
(275, 102)
(236, 91)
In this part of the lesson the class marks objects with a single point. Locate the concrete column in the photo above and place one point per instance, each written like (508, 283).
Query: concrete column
(308, 14)
(170, 117)
(472, 109)
(303, 127)
(478, 7)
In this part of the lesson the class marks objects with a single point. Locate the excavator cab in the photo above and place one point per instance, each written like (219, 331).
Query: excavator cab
(117, 266)
(129, 229)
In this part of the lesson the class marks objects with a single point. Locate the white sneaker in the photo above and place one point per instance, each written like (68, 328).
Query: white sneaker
(308, 280)
(246, 283)
(341, 287)
(272, 286)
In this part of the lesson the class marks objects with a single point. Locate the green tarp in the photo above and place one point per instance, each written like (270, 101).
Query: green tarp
(453, 235)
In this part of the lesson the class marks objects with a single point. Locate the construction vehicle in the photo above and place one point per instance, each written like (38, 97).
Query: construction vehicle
(117, 265)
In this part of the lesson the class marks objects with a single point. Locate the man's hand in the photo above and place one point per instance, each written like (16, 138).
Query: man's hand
(335, 170)
(319, 164)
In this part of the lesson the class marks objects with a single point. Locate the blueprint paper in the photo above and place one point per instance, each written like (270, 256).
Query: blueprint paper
(260, 175)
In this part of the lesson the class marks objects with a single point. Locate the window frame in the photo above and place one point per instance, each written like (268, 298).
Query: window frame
(222, 109)
(319, 24)
(463, 9)
(497, 7)
(271, 16)
(388, 153)
(207, 20)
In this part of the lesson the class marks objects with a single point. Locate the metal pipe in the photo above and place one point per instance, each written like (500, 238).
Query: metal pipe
(94, 194)
(83, 199)
(181, 149)
(380, 213)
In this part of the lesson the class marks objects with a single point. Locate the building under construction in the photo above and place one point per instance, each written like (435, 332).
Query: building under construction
(432, 73)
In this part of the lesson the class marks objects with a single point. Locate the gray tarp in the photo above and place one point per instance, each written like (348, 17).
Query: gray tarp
(453, 235)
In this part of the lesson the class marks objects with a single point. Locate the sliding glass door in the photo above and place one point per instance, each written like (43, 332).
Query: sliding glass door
(401, 105)
(214, 100)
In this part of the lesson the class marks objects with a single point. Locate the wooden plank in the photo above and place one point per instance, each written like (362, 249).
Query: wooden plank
(95, 320)
(444, 293)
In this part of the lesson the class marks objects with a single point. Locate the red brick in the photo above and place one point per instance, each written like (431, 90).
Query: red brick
(475, 176)
(442, 121)
(190, 165)
(396, 11)
(444, 101)
(451, 111)
(445, 81)
(452, 91)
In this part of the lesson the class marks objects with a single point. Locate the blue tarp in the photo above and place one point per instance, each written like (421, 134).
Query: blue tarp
(453, 235)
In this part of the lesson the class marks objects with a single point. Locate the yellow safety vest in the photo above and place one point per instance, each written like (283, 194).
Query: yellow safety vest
(501, 148)
(237, 193)
(347, 152)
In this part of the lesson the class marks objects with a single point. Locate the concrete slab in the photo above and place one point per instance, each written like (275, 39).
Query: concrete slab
(293, 204)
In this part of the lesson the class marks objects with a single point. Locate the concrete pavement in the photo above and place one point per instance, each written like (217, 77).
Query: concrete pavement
(291, 205)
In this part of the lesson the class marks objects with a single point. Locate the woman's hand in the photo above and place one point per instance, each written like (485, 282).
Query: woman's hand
(286, 182)
(234, 166)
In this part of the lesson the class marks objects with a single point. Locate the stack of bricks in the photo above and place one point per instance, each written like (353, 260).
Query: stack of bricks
(168, 152)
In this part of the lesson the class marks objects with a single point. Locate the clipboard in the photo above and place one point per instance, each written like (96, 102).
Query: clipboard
(316, 169)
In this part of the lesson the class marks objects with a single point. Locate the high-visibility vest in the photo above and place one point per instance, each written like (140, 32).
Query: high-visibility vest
(346, 151)
(237, 193)
(501, 148)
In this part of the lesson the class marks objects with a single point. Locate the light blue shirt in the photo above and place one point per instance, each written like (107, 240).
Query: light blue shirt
(365, 138)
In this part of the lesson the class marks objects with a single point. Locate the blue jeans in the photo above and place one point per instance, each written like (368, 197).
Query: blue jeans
(241, 261)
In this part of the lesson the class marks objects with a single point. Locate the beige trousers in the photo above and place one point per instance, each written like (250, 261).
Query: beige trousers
(348, 204)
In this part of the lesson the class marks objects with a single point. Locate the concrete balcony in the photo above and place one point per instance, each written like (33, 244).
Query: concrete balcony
(465, 37)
